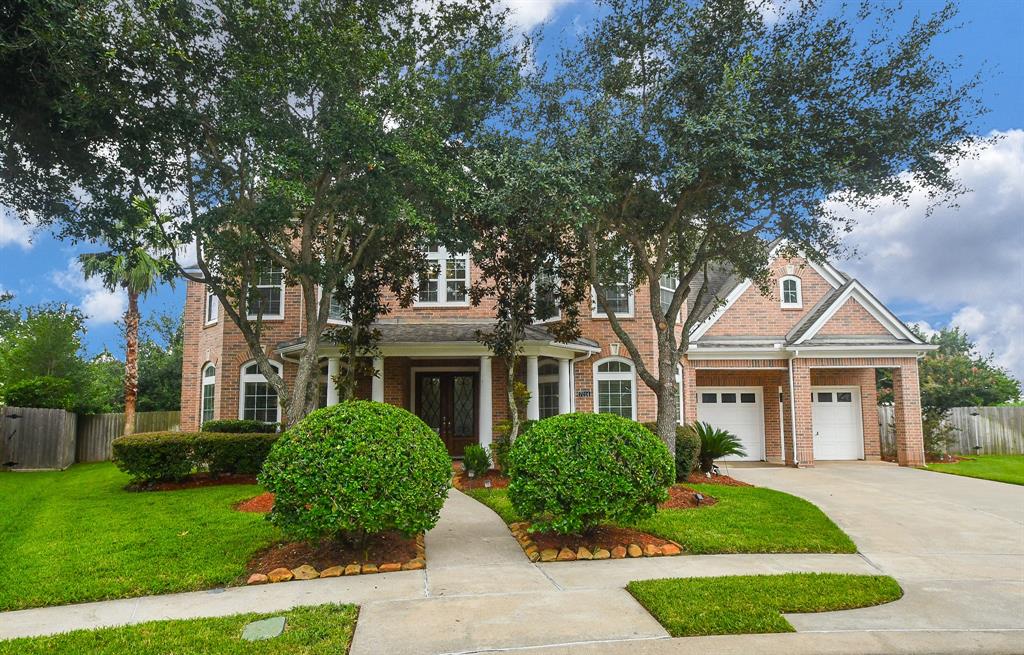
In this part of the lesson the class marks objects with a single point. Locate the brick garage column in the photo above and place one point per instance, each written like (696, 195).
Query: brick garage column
(689, 392)
(907, 415)
(869, 414)
(802, 420)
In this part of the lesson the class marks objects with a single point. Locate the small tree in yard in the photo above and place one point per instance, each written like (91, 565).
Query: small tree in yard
(522, 241)
(130, 265)
(706, 131)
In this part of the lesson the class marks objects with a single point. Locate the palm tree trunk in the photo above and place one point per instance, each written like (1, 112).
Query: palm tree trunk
(131, 361)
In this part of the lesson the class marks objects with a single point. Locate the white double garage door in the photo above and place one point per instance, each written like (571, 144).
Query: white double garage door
(838, 431)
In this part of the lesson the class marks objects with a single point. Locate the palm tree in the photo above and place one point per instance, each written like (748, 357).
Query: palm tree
(716, 443)
(130, 265)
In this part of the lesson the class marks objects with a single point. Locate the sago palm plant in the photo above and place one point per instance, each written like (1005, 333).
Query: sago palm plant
(716, 443)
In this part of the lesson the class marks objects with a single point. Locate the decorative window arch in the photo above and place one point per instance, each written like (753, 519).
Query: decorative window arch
(208, 395)
(257, 400)
(790, 292)
(615, 387)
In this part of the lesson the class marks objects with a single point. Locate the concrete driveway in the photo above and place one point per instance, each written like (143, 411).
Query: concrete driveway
(955, 544)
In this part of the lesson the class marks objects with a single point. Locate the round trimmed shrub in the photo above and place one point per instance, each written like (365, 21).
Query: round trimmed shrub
(571, 472)
(354, 469)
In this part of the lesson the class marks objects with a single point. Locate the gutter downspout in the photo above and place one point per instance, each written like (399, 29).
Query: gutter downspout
(792, 408)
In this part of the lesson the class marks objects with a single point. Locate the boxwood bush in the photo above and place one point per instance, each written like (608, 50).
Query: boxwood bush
(687, 449)
(354, 469)
(163, 456)
(573, 471)
(237, 425)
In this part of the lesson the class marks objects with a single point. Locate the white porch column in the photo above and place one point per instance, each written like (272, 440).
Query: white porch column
(564, 387)
(333, 366)
(486, 410)
(377, 385)
(532, 385)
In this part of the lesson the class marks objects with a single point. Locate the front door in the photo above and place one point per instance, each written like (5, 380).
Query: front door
(447, 403)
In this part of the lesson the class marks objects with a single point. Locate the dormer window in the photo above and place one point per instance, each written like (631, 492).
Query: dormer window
(790, 292)
(447, 278)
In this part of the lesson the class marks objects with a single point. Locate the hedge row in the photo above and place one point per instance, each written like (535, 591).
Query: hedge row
(238, 425)
(160, 456)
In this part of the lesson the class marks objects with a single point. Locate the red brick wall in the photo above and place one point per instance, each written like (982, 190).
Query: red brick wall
(755, 314)
(853, 319)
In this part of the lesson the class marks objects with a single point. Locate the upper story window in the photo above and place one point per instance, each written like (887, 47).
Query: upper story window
(258, 400)
(209, 388)
(615, 384)
(619, 294)
(447, 278)
(668, 284)
(545, 306)
(789, 291)
(267, 297)
(339, 311)
(212, 307)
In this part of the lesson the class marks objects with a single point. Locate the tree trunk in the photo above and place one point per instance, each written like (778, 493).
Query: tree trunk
(667, 393)
(131, 361)
(513, 407)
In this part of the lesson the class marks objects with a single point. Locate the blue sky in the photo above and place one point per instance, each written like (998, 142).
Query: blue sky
(963, 267)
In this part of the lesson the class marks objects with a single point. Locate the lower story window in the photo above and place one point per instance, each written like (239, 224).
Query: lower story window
(548, 397)
(209, 389)
(616, 385)
(259, 399)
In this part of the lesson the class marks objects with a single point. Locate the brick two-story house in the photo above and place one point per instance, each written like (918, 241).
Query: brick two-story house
(792, 374)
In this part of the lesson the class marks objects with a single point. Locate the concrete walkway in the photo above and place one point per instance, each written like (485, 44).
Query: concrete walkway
(956, 549)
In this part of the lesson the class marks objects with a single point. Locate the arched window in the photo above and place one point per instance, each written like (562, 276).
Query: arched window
(789, 291)
(258, 400)
(209, 387)
(547, 388)
(615, 386)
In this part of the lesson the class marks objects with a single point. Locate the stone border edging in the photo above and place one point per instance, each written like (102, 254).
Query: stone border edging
(307, 572)
(520, 531)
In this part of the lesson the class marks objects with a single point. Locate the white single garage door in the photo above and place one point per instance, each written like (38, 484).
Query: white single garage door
(838, 431)
(738, 410)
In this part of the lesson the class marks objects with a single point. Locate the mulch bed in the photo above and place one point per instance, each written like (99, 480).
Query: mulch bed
(700, 478)
(259, 505)
(604, 536)
(946, 459)
(194, 481)
(680, 497)
(497, 479)
(384, 547)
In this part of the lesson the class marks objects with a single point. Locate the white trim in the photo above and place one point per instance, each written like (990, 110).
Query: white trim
(877, 310)
(631, 376)
(799, 304)
(203, 383)
(207, 321)
(596, 311)
(269, 317)
(856, 399)
(256, 377)
(825, 270)
(441, 258)
(730, 300)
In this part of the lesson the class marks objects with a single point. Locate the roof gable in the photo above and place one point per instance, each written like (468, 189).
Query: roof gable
(855, 304)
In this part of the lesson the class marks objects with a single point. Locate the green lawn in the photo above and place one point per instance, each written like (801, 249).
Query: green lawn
(309, 631)
(1001, 468)
(76, 536)
(750, 604)
(745, 520)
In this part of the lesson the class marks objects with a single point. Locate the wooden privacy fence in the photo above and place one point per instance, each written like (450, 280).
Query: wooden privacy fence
(997, 430)
(33, 438)
(97, 431)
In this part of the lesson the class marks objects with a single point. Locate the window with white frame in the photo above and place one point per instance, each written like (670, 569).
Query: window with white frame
(258, 400)
(619, 294)
(546, 308)
(547, 389)
(209, 388)
(615, 383)
(267, 296)
(212, 306)
(446, 280)
(789, 291)
(668, 284)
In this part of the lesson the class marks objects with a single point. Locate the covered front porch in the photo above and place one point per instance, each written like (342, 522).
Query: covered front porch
(444, 375)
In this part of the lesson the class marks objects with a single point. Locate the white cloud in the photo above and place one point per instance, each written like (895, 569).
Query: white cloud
(99, 304)
(528, 14)
(965, 262)
(13, 231)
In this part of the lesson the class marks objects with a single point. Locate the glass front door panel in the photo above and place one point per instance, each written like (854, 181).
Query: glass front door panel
(463, 397)
(430, 401)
